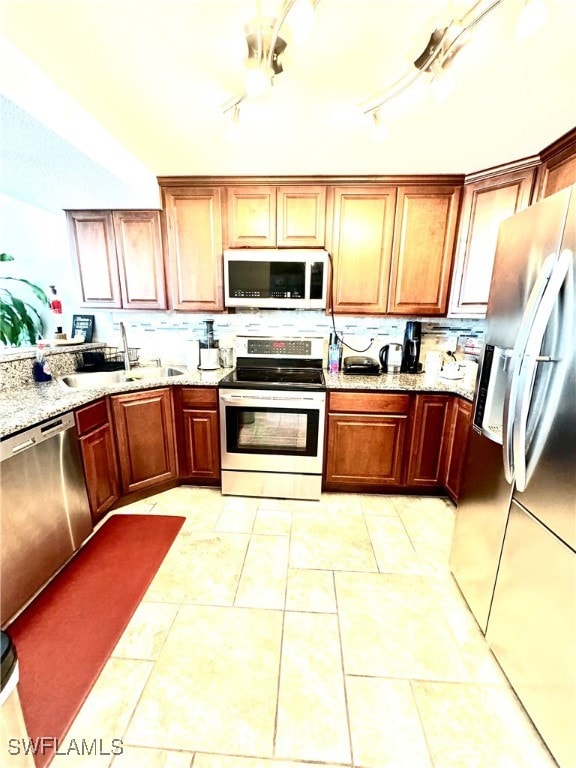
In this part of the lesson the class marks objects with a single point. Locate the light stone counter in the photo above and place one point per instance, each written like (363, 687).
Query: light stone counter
(24, 406)
(402, 382)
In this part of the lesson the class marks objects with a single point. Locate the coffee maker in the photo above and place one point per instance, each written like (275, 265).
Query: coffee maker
(411, 347)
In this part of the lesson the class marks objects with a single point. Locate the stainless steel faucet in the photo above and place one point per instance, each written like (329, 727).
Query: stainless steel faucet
(127, 364)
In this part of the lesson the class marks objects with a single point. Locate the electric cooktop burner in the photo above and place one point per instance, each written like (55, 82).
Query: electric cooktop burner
(268, 378)
(270, 363)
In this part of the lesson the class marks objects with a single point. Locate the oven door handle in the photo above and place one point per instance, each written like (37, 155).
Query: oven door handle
(268, 400)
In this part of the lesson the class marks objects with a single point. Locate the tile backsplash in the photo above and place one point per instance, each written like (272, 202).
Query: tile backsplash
(168, 336)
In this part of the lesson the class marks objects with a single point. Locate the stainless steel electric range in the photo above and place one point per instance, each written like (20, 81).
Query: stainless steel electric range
(272, 410)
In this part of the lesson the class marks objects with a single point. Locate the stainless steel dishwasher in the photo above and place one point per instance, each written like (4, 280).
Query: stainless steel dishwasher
(44, 512)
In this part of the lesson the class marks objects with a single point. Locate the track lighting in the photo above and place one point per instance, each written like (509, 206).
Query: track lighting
(442, 47)
(266, 46)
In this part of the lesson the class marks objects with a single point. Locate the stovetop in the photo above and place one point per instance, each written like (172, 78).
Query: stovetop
(265, 362)
(275, 378)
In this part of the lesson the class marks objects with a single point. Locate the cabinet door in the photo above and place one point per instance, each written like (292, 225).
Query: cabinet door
(363, 227)
(458, 441)
(194, 248)
(201, 439)
(364, 449)
(101, 470)
(140, 261)
(198, 433)
(485, 204)
(144, 425)
(558, 169)
(301, 216)
(251, 216)
(429, 434)
(92, 239)
(424, 235)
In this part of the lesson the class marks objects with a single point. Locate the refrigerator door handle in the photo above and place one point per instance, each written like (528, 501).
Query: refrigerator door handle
(529, 365)
(512, 387)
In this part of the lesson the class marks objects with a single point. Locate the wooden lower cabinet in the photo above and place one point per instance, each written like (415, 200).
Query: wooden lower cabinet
(431, 424)
(365, 439)
(99, 457)
(198, 434)
(456, 449)
(144, 424)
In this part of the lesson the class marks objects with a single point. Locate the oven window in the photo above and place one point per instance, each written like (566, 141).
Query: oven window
(286, 431)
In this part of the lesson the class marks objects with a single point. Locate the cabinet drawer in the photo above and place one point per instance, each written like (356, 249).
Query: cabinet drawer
(203, 397)
(91, 416)
(368, 402)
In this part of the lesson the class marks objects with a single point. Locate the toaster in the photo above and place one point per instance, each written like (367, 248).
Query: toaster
(361, 366)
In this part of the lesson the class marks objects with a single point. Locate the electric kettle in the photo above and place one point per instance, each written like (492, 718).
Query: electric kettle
(391, 358)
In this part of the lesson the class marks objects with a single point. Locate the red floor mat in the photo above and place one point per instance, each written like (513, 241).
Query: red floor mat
(66, 635)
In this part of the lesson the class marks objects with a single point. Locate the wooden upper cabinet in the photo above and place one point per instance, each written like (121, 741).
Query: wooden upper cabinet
(93, 244)
(193, 231)
(140, 260)
(300, 216)
(362, 234)
(268, 216)
(119, 258)
(558, 168)
(485, 204)
(251, 216)
(424, 236)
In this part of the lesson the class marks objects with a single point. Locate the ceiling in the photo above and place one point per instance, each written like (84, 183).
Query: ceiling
(155, 74)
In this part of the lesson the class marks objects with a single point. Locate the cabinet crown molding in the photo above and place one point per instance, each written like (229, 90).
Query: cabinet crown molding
(235, 181)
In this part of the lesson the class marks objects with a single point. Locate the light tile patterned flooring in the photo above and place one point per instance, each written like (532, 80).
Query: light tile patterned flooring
(284, 634)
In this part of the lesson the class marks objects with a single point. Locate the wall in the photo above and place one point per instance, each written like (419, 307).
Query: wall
(38, 240)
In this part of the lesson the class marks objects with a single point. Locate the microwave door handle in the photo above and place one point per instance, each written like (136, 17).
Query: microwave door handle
(518, 352)
(529, 364)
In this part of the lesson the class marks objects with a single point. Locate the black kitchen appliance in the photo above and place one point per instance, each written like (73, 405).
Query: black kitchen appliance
(411, 354)
(361, 366)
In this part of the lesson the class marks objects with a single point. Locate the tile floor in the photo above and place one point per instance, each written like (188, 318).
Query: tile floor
(285, 634)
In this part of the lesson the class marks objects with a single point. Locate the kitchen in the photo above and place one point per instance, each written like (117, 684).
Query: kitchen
(167, 328)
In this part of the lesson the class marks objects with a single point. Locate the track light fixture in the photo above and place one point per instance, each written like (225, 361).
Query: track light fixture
(443, 45)
(265, 49)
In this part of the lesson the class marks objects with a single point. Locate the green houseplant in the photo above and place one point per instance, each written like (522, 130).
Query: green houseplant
(20, 321)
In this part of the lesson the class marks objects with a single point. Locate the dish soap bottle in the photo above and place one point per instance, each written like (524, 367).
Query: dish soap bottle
(40, 368)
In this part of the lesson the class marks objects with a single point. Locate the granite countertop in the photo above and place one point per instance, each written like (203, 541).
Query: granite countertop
(402, 382)
(24, 406)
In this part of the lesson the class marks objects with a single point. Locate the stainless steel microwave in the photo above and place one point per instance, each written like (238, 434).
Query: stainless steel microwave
(287, 278)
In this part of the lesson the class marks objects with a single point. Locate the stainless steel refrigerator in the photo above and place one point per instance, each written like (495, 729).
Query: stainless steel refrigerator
(514, 547)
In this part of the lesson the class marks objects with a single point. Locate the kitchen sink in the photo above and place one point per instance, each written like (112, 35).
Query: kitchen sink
(108, 378)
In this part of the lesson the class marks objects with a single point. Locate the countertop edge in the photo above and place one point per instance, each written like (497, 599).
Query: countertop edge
(24, 407)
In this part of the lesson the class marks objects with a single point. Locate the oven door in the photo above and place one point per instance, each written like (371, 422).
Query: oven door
(272, 430)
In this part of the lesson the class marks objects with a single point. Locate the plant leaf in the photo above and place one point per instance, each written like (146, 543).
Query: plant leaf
(6, 257)
(38, 292)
